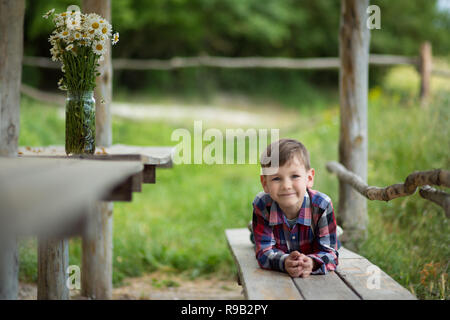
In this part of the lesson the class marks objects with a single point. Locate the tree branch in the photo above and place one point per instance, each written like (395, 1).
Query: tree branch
(416, 179)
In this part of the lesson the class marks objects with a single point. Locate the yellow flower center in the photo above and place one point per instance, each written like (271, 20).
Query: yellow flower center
(104, 30)
(65, 33)
(99, 47)
(95, 25)
(91, 32)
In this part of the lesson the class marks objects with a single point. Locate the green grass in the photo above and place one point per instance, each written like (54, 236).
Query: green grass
(177, 225)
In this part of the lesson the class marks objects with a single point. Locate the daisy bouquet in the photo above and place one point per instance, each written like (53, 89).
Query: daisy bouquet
(79, 42)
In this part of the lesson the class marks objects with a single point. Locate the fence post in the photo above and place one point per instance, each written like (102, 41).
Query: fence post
(12, 14)
(96, 275)
(354, 38)
(53, 260)
(425, 67)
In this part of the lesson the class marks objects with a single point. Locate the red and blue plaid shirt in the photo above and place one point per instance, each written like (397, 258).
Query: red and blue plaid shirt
(274, 240)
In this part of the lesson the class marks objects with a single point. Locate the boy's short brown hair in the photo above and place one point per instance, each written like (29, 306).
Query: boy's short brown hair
(288, 148)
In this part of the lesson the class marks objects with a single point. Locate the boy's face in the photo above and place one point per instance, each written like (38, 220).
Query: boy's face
(288, 186)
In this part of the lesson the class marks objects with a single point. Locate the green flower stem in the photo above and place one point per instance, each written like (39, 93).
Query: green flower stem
(80, 122)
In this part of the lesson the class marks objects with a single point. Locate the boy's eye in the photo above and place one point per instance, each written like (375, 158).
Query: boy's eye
(295, 176)
(275, 179)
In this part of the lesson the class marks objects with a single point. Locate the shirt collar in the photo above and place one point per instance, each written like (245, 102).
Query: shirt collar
(277, 215)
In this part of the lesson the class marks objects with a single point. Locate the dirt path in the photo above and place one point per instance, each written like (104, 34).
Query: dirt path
(160, 286)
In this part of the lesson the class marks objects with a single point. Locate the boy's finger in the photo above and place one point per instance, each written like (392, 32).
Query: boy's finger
(305, 274)
(292, 263)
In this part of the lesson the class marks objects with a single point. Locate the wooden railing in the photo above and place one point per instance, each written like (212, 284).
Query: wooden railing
(225, 62)
(423, 179)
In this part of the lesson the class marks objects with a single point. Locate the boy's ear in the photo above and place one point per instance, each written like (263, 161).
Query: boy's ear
(264, 183)
(310, 177)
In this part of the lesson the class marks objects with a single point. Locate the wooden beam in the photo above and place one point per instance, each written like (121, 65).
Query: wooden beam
(425, 67)
(96, 269)
(149, 173)
(11, 53)
(122, 192)
(97, 253)
(9, 266)
(354, 38)
(53, 260)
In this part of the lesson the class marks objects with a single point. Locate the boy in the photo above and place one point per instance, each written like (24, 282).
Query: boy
(294, 227)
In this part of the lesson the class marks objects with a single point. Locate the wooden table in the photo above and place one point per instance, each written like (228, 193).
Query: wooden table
(356, 278)
(44, 193)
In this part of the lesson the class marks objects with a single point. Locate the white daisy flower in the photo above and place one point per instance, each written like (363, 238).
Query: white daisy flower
(115, 38)
(94, 25)
(77, 36)
(99, 48)
(69, 47)
(105, 29)
(64, 34)
(48, 14)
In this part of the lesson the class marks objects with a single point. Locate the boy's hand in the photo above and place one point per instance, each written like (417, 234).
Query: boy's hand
(292, 264)
(306, 264)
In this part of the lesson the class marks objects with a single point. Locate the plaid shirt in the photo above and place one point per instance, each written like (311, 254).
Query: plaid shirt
(274, 240)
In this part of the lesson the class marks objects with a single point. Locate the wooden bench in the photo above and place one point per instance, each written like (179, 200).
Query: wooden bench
(354, 279)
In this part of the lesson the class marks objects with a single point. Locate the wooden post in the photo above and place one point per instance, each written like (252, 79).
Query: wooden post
(354, 38)
(103, 89)
(9, 267)
(96, 268)
(96, 275)
(425, 72)
(11, 52)
(53, 260)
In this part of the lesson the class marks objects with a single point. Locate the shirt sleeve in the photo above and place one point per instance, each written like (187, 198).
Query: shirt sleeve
(267, 255)
(327, 256)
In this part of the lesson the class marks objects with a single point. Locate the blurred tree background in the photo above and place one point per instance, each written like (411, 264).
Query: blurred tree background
(162, 29)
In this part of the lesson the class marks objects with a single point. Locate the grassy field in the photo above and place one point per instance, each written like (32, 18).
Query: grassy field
(178, 224)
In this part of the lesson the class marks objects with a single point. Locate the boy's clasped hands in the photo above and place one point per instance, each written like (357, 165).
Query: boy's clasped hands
(298, 265)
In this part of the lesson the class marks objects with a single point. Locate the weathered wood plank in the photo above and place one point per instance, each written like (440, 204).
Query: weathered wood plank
(258, 284)
(42, 198)
(371, 282)
(12, 14)
(9, 266)
(53, 260)
(324, 287)
(138, 179)
(122, 192)
(96, 270)
(149, 173)
(159, 156)
(344, 253)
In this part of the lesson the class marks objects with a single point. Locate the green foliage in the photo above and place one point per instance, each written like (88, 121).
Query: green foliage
(163, 29)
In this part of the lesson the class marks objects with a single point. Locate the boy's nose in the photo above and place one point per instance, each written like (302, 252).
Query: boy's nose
(287, 185)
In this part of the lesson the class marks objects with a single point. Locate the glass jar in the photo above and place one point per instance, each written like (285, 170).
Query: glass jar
(80, 122)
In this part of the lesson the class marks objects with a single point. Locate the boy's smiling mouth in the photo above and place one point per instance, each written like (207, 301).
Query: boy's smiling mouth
(287, 194)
